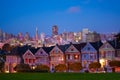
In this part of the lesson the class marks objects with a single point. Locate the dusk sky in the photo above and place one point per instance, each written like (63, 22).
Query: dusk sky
(69, 15)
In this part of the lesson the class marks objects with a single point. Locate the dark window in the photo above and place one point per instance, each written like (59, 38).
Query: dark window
(68, 56)
(72, 49)
(91, 56)
(84, 56)
(28, 53)
(88, 48)
(41, 52)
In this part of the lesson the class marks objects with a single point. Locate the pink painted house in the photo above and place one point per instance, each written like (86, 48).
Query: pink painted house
(72, 54)
(57, 56)
(29, 57)
(42, 56)
(11, 62)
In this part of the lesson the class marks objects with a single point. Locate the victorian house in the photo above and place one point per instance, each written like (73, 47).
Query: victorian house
(73, 54)
(106, 54)
(12, 59)
(29, 57)
(90, 53)
(42, 56)
(57, 55)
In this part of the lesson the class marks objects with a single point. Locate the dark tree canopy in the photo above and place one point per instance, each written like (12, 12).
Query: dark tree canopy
(6, 47)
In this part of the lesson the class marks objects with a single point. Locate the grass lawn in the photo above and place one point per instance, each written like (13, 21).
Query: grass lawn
(60, 76)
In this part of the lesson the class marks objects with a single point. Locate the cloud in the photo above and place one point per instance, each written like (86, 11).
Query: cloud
(73, 9)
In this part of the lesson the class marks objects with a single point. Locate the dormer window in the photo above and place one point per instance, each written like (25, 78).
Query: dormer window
(72, 49)
(28, 53)
(41, 52)
(88, 48)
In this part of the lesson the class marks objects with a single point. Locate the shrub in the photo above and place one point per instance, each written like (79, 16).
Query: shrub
(22, 68)
(42, 68)
(94, 65)
(75, 66)
(60, 68)
(114, 63)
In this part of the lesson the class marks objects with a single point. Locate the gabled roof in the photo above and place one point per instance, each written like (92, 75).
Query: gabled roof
(33, 50)
(96, 45)
(63, 47)
(79, 46)
(115, 44)
(47, 49)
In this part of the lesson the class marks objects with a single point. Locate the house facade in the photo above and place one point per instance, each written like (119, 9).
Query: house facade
(56, 57)
(42, 57)
(72, 54)
(29, 58)
(11, 62)
(89, 55)
(106, 54)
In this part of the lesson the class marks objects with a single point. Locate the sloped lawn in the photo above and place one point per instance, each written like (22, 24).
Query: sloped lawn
(60, 76)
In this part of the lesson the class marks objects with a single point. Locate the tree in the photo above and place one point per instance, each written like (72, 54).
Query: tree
(60, 68)
(75, 66)
(94, 65)
(114, 63)
(42, 68)
(1, 65)
(22, 68)
(6, 47)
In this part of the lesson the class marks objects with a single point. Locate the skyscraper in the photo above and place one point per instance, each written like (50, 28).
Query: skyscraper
(1, 35)
(54, 30)
(36, 35)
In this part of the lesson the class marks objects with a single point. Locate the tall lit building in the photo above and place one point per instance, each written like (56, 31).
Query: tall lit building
(54, 30)
(42, 37)
(92, 37)
(20, 36)
(84, 33)
(1, 35)
(36, 35)
(27, 37)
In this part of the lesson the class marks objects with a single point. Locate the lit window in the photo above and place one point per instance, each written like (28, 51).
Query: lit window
(76, 56)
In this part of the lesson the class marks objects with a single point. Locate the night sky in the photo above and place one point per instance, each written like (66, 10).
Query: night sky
(24, 16)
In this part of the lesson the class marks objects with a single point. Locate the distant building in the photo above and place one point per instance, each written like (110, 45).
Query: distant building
(36, 35)
(20, 36)
(77, 37)
(1, 35)
(84, 33)
(54, 30)
(27, 37)
(92, 37)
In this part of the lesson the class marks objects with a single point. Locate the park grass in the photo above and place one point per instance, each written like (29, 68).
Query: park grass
(60, 76)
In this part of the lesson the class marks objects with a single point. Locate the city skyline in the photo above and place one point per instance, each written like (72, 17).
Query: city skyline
(69, 15)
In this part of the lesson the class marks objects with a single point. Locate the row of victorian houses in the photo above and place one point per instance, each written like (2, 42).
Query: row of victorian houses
(85, 53)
